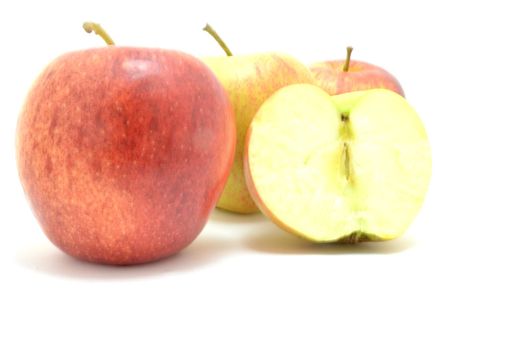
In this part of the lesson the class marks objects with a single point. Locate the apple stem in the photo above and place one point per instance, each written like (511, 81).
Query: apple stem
(97, 29)
(347, 62)
(217, 38)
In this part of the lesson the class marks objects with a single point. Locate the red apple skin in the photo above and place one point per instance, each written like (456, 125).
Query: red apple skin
(360, 76)
(123, 152)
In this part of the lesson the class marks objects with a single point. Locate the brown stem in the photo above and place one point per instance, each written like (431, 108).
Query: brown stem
(347, 62)
(97, 28)
(217, 38)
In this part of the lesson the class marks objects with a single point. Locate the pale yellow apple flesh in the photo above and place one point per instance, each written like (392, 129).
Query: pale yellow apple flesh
(249, 81)
(353, 167)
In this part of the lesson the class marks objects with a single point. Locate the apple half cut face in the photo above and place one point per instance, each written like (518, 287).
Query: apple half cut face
(347, 168)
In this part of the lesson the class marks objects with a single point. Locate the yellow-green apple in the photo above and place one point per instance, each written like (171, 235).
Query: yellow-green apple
(249, 81)
(346, 168)
(340, 76)
(123, 152)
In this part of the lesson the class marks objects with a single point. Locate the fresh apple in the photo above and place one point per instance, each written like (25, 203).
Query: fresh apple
(123, 152)
(347, 168)
(249, 81)
(341, 76)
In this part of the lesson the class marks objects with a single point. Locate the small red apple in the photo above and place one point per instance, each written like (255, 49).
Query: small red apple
(339, 76)
(123, 152)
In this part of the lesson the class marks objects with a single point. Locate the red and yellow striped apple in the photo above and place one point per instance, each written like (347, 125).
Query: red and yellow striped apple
(249, 81)
(123, 152)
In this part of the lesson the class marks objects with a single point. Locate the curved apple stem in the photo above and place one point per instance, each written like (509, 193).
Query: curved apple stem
(97, 28)
(347, 62)
(217, 38)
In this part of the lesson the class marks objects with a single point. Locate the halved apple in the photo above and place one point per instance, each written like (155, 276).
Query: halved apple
(347, 168)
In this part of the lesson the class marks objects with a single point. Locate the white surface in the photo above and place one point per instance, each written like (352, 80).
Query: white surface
(455, 281)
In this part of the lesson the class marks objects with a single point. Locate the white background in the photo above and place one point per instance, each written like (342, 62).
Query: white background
(454, 281)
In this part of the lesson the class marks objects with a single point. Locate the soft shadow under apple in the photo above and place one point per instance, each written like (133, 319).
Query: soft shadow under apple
(45, 258)
(273, 240)
(223, 216)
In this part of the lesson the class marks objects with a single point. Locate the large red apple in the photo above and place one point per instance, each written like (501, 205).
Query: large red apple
(124, 152)
(341, 76)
